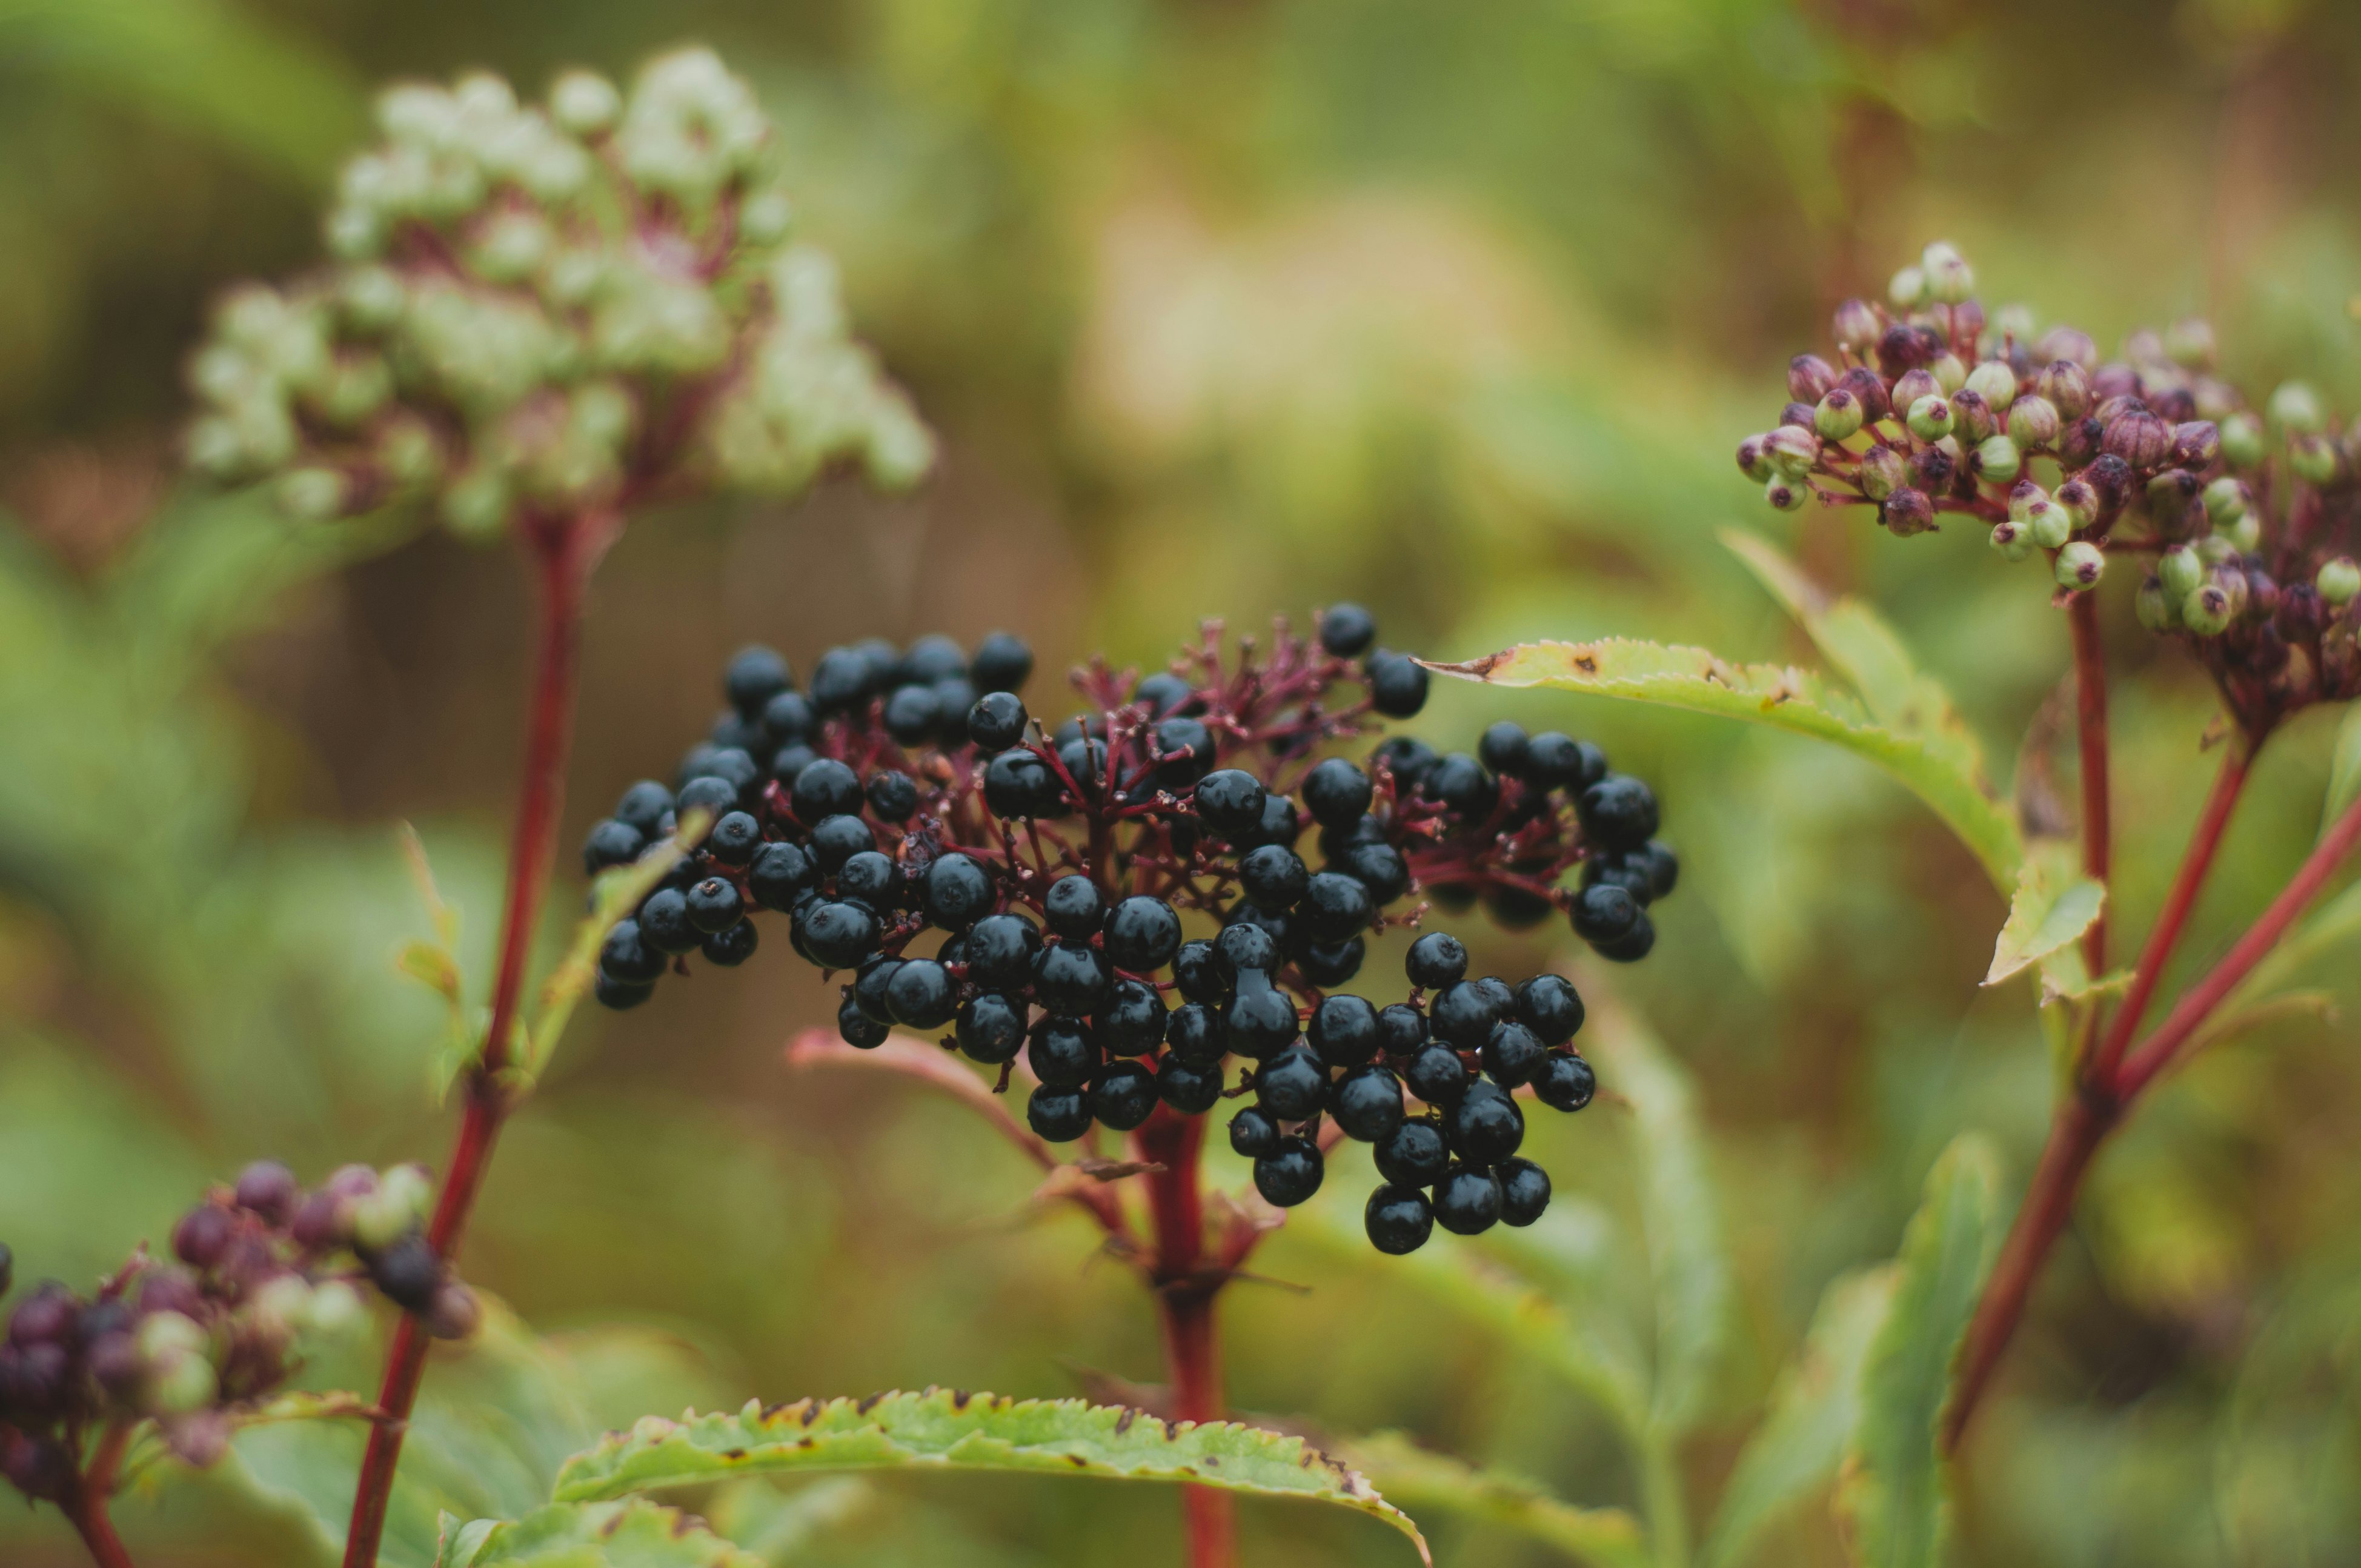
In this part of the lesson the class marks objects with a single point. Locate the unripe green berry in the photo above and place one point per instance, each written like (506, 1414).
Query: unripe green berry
(1785, 494)
(1908, 289)
(2296, 409)
(1995, 383)
(2242, 441)
(1950, 372)
(2206, 610)
(311, 495)
(1857, 325)
(336, 1311)
(2339, 581)
(2179, 570)
(287, 1300)
(2245, 533)
(2213, 549)
(2233, 582)
(2080, 500)
(2015, 321)
(1996, 460)
(1838, 416)
(2033, 421)
(513, 246)
(2079, 566)
(2314, 458)
(181, 1384)
(1882, 472)
(2227, 499)
(767, 217)
(1973, 419)
(2156, 608)
(2188, 343)
(2067, 386)
(2011, 541)
(169, 1333)
(1791, 451)
(1754, 459)
(1930, 418)
(2046, 524)
(1949, 277)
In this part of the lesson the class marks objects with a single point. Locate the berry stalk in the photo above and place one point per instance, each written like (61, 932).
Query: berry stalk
(565, 550)
(85, 1505)
(2091, 732)
(1186, 1293)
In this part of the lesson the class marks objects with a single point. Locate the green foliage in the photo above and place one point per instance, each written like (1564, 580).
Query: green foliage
(957, 1431)
(631, 1534)
(1415, 1478)
(2052, 906)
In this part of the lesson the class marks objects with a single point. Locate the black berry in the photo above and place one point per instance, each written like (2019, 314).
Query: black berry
(1122, 1095)
(734, 838)
(921, 995)
(1502, 749)
(869, 988)
(1398, 1220)
(1459, 782)
(1512, 1053)
(1346, 630)
(1273, 877)
(1467, 1199)
(1230, 801)
(1142, 934)
(1291, 1173)
(837, 838)
(1343, 1030)
(841, 679)
(1253, 1133)
(755, 676)
(1550, 1007)
(825, 788)
(779, 874)
(644, 805)
(991, 1028)
(1070, 978)
(1073, 908)
(837, 935)
(714, 905)
(1133, 1024)
(1462, 1015)
(870, 879)
(1397, 684)
(1401, 1029)
(1605, 912)
(1377, 866)
(1486, 1125)
(1063, 1050)
(1367, 1103)
(1000, 950)
(1524, 1192)
(1292, 1084)
(1194, 1032)
(628, 959)
(1565, 1082)
(893, 797)
(1185, 748)
(1190, 1090)
(1437, 959)
(959, 892)
(998, 720)
(731, 946)
(665, 923)
(1059, 1114)
(1437, 1076)
(1260, 1021)
(1618, 812)
(1334, 907)
(611, 843)
(1336, 793)
(1199, 972)
(1002, 664)
(1245, 947)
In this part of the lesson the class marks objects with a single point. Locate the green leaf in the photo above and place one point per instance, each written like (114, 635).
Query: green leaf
(950, 1429)
(1896, 1496)
(2343, 771)
(778, 1526)
(1431, 1481)
(2050, 909)
(633, 1534)
(1813, 1411)
(1688, 1264)
(1778, 696)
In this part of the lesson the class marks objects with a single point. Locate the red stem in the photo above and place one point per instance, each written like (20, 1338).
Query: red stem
(85, 1505)
(2091, 729)
(2174, 916)
(1186, 1292)
(563, 550)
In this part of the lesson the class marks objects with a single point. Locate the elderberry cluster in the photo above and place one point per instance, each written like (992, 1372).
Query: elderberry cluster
(903, 791)
(256, 1270)
(549, 309)
(2247, 520)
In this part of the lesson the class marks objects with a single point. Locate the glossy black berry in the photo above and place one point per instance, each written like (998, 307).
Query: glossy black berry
(998, 720)
(628, 959)
(611, 843)
(1618, 813)
(1336, 793)
(1556, 760)
(1245, 947)
(1292, 1085)
(1192, 1090)
(779, 874)
(644, 805)
(1347, 630)
(620, 995)
(1502, 749)
(1401, 1029)
(825, 788)
(1000, 950)
(1662, 866)
(733, 763)
(731, 945)
(1058, 1113)
(1468, 1200)
(664, 925)
(1253, 1133)
(1142, 934)
(1195, 1033)
(1280, 824)
(959, 892)
(1435, 960)
(1524, 1192)
(1276, 926)
(1437, 1075)
(991, 1028)
(841, 679)
(792, 758)
(1486, 1125)
(1161, 693)
(734, 838)
(1565, 1082)
(1332, 963)
(1377, 866)
(1063, 1050)
(1199, 972)
(787, 718)
(1259, 1021)
(1407, 757)
(1462, 1015)
(1185, 751)
(1273, 877)
(1459, 782)
(714, 905)
(1018, 784)
(1398, 1219)
(1634, 945)
(1334, 907)
(1002, 664)
(1343, 1030)
(921, 995)
(1122, 1095)
(408, 1272)
(871, 879)
(732, 730)
(1133, 1024)
(954, 699)
(1074, 909)
(1397, 684)
(931, 658)
(1495, 991)
(1085, 761)
(1072, 978)
(893, 797)
(869, 988)
(1230, 802)
(1626, 871)
(1605, 912)
(755, 675)
(1550, 1007)
(1367, 1103)
(709, 795)
(1291, 1173)
(836, 839)
(837, 935)
(1512, 1054)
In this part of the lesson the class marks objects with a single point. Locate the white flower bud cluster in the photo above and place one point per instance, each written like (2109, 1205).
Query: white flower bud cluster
(551, 309)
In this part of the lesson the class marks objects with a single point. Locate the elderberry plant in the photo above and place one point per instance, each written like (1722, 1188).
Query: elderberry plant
(909, 791)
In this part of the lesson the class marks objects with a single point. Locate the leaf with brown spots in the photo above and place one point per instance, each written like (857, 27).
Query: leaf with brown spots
(629, 1534)
(943, 1428)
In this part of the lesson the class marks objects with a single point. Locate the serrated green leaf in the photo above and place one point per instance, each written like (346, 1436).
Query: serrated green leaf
(1812, 1412)
(952, 1429)
(2050, 909)
(1895, 1495)
(1436, 1483)
(2066, 977)
(1781, 697)
(1688, 1265)
(629, 1534)
(1860, 645)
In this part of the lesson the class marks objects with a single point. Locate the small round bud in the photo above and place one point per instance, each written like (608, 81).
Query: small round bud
(337, 1311)
(2067, 387)
(2245, 532)
(1754, 460)
(2079, 566)
(2188, 343)
(1950, 372)
(2338, 581)
(2227, 499)
(1882, 472)
(2313, 459)
(2068, 343)
(1857, 325)
(1809, 377)
(2033, 421)
(2138, 437)
(2297, 410)
(2079, 501)
(2014, 322)
(2046, 524)
(2157, 611)
(2242, 441)
(584, 102)
(1908, 289)
(453, 1312)
(1792, 451)
(1907, 511)
(1864, 384)
(2206, 611)
(2196, 444)
(2010, 540)
(767, 217)
(1838, 417)
(1995, 383)
(310, 495)
(1947, 277)
(1930, 418)
(1996, 461)
(1972, 419)
(2179, 570)
(1786, 495)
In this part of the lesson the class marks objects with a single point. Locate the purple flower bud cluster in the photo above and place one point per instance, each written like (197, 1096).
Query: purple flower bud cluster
(257, 1272)
(2248, 519)
(904, 791)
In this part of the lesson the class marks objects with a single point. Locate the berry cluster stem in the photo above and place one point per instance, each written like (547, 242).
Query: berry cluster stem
(1186, 1296)
(85, 1505)
(565, 549)
(2091, 731)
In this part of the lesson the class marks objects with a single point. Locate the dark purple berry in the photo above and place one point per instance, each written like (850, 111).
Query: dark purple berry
(1512, 1054)
(714, 905)
(1073, 908)
(1398, 1220)
(1199, 972)
(1618, 812)
(959, 892)
(1162, 693)
(1002, 664)
(1524, 1192)
(998, 720)
(1062, 1051)
(1435, 960)
(841, 679)
(1367, 1103)
(1194, 1032)
(788, 718)
(665, 923)
(836, 838)
(1122, 1095)
(265, 1188)
(644, 805)
(1401, 1029)
(1059, 1114)
(1292, 1085)
(992, 1028)
(1253, 1133)
(1634, 945)
(1486, 1125)
(857, 1028)
(1334, 907)
(1550, 1007)
(921, 995)
(837, 935)
(755, 676)
(1070, 978)
(1502, 749)
(1280, 824)
(779, 873)
(1414, 1154)
(1346, 630)
(408, 1272)
(1273, 877)
(1467, 1199)
(893, 797)
(732, 944)
(1437, 1076)
(735, 838)
(1259, 1021)
(621, 995)
(1459, 782)
(1142, 934)
(202, 1237)
(869, 988)
(1230, 802)
(1184, 748)
(825, 788)
(1289, 1174)
(1397, 684)
(1462, 1015)
(1246, 949)
(1190, 1090)
(1336, 793)
(1605, 912)
(1133, 1024)
(1332, 964)
(1406, 757)
(1000, 950)
(1377, 866)
(1343, 1030)
(1565, 1082)
(611, 843)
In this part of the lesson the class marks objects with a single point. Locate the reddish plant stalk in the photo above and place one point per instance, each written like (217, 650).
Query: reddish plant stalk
(563, 549)
(2091, 732)
(1186, 1293)
(85, 1505)
(2204, 842)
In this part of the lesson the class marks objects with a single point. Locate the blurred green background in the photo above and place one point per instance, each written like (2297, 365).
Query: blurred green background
(1221, 307)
